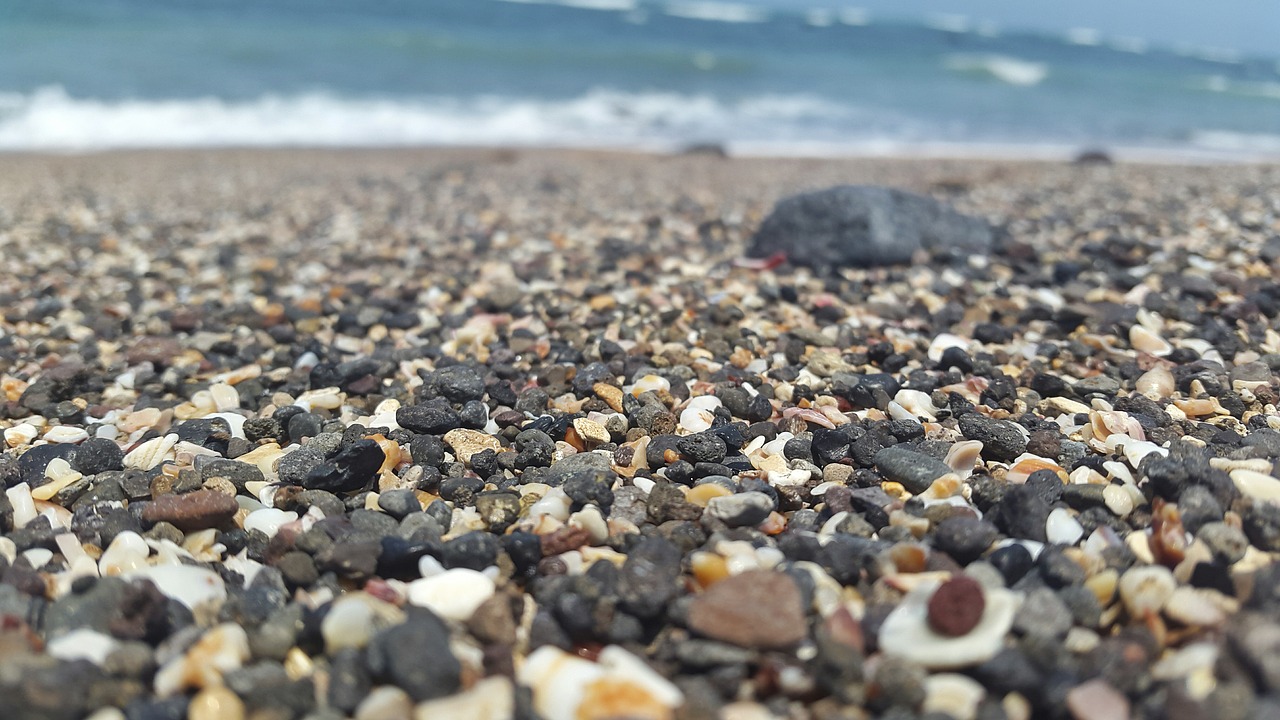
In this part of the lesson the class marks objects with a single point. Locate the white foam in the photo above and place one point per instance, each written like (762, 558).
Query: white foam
(1220, 83)
(948, 22)
(1135, 45)
(854, 16)
(715, 11)
(1237, 142)
(609, 5)
(1083, 36)
(50, 119)
(1014, 71)
(819, 17)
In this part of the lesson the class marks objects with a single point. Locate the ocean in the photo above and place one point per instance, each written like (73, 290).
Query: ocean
(628, 74)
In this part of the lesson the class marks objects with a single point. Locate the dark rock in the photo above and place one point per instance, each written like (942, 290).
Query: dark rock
(1002, 441)
(964, 538)
(294, 466)
(915, 471)
(649, 577)
(428, 419)
(863, 225)
(97, 455)
(416, 656)
(351, 469)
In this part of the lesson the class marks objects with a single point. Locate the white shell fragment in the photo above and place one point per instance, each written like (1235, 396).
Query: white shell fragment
(567, 687)
(190, 585)
(454, 594)
(906, 632)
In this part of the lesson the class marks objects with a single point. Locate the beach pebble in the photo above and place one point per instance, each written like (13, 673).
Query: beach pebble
(755, 609)
(268, 520)
(957, 606)
(1097, 700)
(220, 650)
(746, 509)
(916, 471)
(190, 585)
(1063, 529)
(191, 511)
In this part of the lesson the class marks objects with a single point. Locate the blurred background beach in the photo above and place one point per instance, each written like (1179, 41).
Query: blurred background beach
(1183, 80)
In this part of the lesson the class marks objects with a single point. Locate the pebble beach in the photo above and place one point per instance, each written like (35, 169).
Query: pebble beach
(466, 433)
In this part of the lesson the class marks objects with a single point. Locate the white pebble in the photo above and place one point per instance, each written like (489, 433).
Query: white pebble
(906, 632)
(126, 553)
(563, 684)
(454, 594)
(490, 699)
(386, 702)
(219, 651)
(38, 557)
(1257, 485)
(1118, 500)
(953, 694)
(1063, 529)
(20, 434)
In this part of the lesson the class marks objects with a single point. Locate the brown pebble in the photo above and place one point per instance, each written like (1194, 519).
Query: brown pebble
(193, 511)
(956, 606)
(563, 540)
(755, 609)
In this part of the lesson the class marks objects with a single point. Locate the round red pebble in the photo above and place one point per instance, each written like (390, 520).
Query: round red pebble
(956, 606)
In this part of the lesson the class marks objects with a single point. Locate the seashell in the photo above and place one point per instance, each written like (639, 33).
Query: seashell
(947, 486)
(1026, 464)
(906, 633)
(60, 476)
(963, 457)
(151, 453)
(568, 687)
(20, 434)
(917, 403)
(952, 695)
(268, 520)
(264, 457)
(140, 420)
(454, 594)
(83, 644)
(944, 341)
(1156, 383)
(224, 397)
(1118, 500)
(555, 503)
(1256, 485)
(354, 618)
(388, 702)
(1147, 341)
(24, 506)
(65, 434)
(1184, 661)
(809, 415)
(219, 651)
(1104, 423)
(694, 420)
(490, 699)
(330, 398)
(1200, 407)
(1199, 607)
(971, 389)
(1145, 589)
(126, 553)
(1063, 529)
(650, 383)
(590, 519)
(188, 584)
(1168, 538)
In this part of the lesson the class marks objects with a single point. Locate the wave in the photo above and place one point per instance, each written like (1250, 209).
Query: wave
(1014, 71)
(1221, 84)
(610, 5)
(50, 119)
(716, 11)
(1263, 144)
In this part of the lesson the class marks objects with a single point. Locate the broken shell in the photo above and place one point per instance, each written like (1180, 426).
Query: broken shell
(906, 632)
(1063, 529)
(568, 687)
(650, 383)
(454, 594)
(963, 457)
(151, 453)
(1156, 383)
(1026, 464)
(1144, 590)
(1147, 341)
(219, 651)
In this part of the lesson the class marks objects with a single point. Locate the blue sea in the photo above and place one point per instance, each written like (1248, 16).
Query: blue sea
(633, 74)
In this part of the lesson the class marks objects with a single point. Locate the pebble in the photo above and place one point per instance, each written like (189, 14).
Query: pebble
(755, 609)
(220, 650)
(1146, 589)
(956, 607)
(490, 699)
(916, 471)
(216, 703)
(466, 443)
(192, 511)
(1097, 700)
(746, 509)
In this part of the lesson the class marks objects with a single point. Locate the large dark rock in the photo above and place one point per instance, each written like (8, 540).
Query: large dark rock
(854, 225)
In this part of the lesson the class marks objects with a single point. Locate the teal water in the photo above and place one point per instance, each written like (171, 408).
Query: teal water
(616, 73)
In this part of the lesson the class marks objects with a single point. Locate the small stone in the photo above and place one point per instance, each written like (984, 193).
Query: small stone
(957, 606)
(915, 471)
(216, 703)
(192, 511)
(1001, 440)
(1227, 543)
(964, 538)
(428, 419)
(292, 467)
(755, 609)
(399, 504)
(746, 509)
(385, 703)
(353, 468)
(490, 699)
(416, 656)
(466, 443)
(97, 455)
(1097, 700)
(592, 432)
(454, 594)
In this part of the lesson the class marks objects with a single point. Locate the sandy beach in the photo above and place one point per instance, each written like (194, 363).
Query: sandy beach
(419, 433)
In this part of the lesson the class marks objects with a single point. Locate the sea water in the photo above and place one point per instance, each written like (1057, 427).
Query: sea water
(633, 74)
